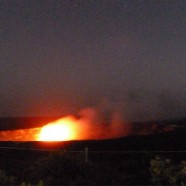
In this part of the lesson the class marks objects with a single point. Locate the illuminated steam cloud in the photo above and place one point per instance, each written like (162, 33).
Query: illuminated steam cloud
(89, 124)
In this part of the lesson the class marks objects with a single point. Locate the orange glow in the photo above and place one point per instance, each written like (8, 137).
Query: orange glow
(60, 130)
(20, 135)
(87, 126)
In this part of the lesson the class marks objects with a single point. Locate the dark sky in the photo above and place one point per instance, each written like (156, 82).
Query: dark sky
(59, 56)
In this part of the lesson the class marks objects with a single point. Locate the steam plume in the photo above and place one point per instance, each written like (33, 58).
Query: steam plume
(90, 123)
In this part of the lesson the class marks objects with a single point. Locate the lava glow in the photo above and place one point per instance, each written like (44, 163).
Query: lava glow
(87, 126)
(61, 130)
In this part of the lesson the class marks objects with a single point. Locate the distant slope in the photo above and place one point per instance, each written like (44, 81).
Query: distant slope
(168, 141)
(10, 123)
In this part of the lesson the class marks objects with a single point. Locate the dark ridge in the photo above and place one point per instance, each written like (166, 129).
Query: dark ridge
(11, 123)
(168, 141)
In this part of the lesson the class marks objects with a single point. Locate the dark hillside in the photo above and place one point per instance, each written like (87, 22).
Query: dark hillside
(166, 141)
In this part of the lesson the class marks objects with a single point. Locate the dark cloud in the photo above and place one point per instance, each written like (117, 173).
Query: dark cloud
(58, 57)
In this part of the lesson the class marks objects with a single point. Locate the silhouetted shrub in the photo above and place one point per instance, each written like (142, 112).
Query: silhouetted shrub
(166, 172)
(6, 180)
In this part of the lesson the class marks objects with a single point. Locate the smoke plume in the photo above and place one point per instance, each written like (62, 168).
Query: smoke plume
(101, 122)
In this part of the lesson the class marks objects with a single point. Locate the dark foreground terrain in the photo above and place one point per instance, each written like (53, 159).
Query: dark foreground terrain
(137, 160)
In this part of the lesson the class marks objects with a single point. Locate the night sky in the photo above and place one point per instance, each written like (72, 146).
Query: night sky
(60, 56)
